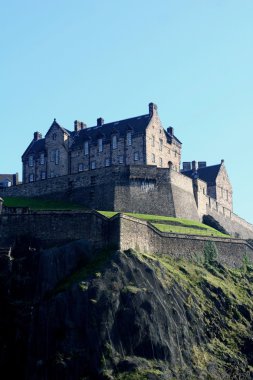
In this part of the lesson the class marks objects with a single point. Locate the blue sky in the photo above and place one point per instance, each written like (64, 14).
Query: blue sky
(82, 59)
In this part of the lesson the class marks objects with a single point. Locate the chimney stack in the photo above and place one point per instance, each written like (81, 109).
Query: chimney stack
(152, 109)
(186, 166)
(100, 122)
(170, 130)
(202, 164)
(78, 125)
(37, 136)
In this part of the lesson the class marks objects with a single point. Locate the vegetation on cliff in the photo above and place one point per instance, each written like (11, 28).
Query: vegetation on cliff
(69, 313)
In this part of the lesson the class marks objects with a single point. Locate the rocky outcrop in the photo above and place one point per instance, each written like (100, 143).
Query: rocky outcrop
(71, 313)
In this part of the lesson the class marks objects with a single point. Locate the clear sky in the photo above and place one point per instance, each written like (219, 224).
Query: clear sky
(82, 59)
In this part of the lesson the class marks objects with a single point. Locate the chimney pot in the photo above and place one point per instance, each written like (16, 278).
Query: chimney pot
(100, 122)
(222, 161)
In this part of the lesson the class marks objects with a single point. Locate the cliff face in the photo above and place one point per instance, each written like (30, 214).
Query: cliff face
(70, 313)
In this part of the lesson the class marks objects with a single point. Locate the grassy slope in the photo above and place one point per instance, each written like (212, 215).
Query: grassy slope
(183, 226)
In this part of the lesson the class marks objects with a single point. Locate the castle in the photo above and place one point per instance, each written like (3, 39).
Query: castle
(127, 165)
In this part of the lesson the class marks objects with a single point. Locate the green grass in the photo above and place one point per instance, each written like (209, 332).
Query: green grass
(172, 224)
(190, 231)
(41, 204)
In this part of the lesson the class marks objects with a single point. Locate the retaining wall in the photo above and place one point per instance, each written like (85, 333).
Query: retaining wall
(144, 237)
(122, 232)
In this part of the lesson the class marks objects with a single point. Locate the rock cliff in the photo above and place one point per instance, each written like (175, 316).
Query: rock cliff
(70, 313)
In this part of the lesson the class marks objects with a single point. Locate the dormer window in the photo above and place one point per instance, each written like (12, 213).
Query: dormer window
(30, 161)
(114, 142)
(86, 148)
(100, 145)
(129, 138)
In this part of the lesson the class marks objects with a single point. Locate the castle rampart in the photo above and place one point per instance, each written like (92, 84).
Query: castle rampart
(139, 188)
(121, 232)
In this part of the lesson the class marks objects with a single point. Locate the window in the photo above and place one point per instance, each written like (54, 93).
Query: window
(86, 148)
(160, 144)
(30, 161)
(153, 140)
(31, 177)
(121, 159)
(54, 156)
(43, 175)
(80, 167)
(136, 156)
(107, 162)
(227, 195)
(161, 161)
(51, 174)
(129, 138)
(100, 145)
(175, 153)
(57, 156)
(93, 165)
(114, 142)
(54, 136)
(42, 159)
(153, 157)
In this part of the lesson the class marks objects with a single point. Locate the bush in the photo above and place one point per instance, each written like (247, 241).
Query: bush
(210, 253)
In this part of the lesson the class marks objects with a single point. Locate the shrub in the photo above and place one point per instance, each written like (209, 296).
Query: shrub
(210, 253)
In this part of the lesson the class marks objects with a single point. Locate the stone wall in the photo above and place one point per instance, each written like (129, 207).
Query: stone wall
(53, 228)
(232, 223)
(144, 237)
(121, 232)
(136, 188)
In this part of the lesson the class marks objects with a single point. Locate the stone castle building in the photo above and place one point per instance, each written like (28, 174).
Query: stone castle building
(131, 165)
(140, 140)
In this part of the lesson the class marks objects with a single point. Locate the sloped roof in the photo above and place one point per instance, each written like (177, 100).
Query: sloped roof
(3, 177)
(35, 147)
(136, 124)
(207, 174)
